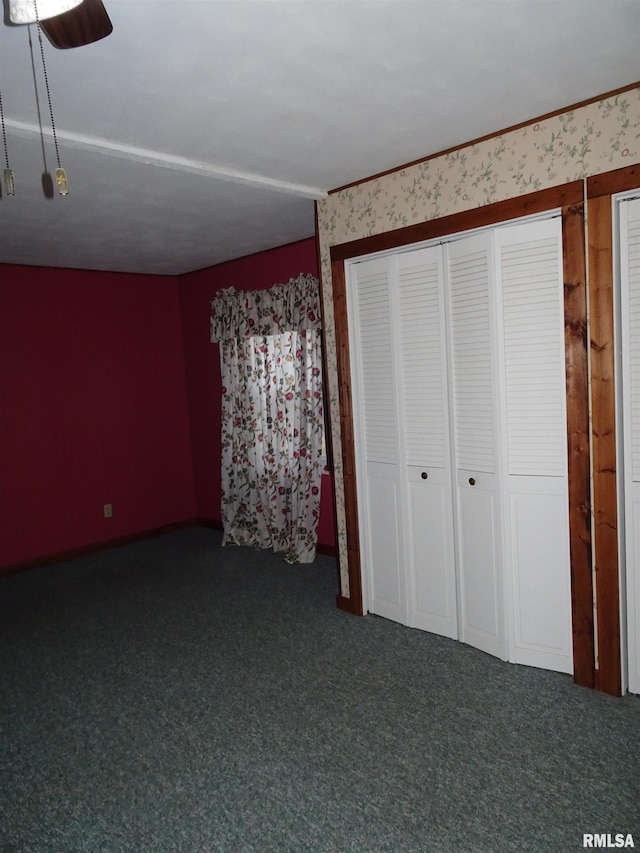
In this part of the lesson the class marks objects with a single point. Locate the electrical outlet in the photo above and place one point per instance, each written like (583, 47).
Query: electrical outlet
(108, 510)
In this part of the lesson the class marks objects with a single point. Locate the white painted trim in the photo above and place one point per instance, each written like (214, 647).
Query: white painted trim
(628, 574)
(109, 148)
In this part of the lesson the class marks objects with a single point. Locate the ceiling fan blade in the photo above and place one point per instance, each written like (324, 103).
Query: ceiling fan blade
(84, 24)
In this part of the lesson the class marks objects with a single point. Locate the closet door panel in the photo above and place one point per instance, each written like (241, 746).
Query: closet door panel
(481, 603)
(541, 579)
(630, 338)
(534, 360)
(386, 578)
(429, 551)
(432, 553)
(472, 358)
(422, 358)
(470, 270)
(633, 591)
(530, 291)
(375, 415)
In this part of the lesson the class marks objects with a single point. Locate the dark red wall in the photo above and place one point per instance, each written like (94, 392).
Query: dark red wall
(93, 409)
(204, 387)
(110, 393)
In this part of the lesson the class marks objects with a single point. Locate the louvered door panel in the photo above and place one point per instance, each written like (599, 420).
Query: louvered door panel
(472, 363)
(630, 338)
(375, 348)
(422, 367)
(530, 291)
(429, 551)
(534, 352)
(375, 411)
(470, 264)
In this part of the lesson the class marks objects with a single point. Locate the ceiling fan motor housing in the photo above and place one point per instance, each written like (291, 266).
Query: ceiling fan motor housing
(26, 11)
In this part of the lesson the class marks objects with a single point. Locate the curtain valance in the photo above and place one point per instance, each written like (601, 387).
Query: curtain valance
(290, 307)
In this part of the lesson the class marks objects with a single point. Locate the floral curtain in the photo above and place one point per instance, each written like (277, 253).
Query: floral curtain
(272, 416)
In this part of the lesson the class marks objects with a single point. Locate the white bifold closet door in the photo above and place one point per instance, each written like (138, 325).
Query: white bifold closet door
(420, 343)
(630, 347)
(535, 484)
(474, 388)
(375, 413)
(458, 376)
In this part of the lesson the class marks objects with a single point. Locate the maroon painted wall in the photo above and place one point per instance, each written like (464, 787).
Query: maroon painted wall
(204, 387)
(93, 409)
(110, 393)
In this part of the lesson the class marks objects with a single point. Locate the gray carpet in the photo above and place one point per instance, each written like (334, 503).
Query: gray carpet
(176, 696)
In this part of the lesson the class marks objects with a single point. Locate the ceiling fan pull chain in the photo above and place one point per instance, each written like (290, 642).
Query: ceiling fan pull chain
(9, 184)
(61, 176)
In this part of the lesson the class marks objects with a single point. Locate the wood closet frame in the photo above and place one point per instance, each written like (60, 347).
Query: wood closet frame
(590, 382)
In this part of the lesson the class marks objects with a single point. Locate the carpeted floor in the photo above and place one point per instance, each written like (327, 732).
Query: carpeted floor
(176, 696)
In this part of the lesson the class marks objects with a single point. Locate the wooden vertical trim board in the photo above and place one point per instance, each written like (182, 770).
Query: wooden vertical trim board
(603, 405)
(353, 603)
(600, 189)
(575, 311)
(349, 605)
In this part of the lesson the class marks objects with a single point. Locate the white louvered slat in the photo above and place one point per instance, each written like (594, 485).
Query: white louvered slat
(534, 354)
(472, 373)
(421, 363)
(376, 365)
(633, 284)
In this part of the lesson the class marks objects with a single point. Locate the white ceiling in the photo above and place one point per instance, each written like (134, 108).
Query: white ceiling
(200, 131)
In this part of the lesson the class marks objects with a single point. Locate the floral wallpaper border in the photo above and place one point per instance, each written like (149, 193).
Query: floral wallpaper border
(574, 145)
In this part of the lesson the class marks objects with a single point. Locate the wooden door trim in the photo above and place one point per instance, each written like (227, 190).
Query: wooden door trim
(353, 602)
(600, 189)
(605, 489)
(616, 181)
(578, 457)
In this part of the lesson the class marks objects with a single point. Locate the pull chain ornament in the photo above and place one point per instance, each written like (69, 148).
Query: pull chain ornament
(9, 183)
(62, 182)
